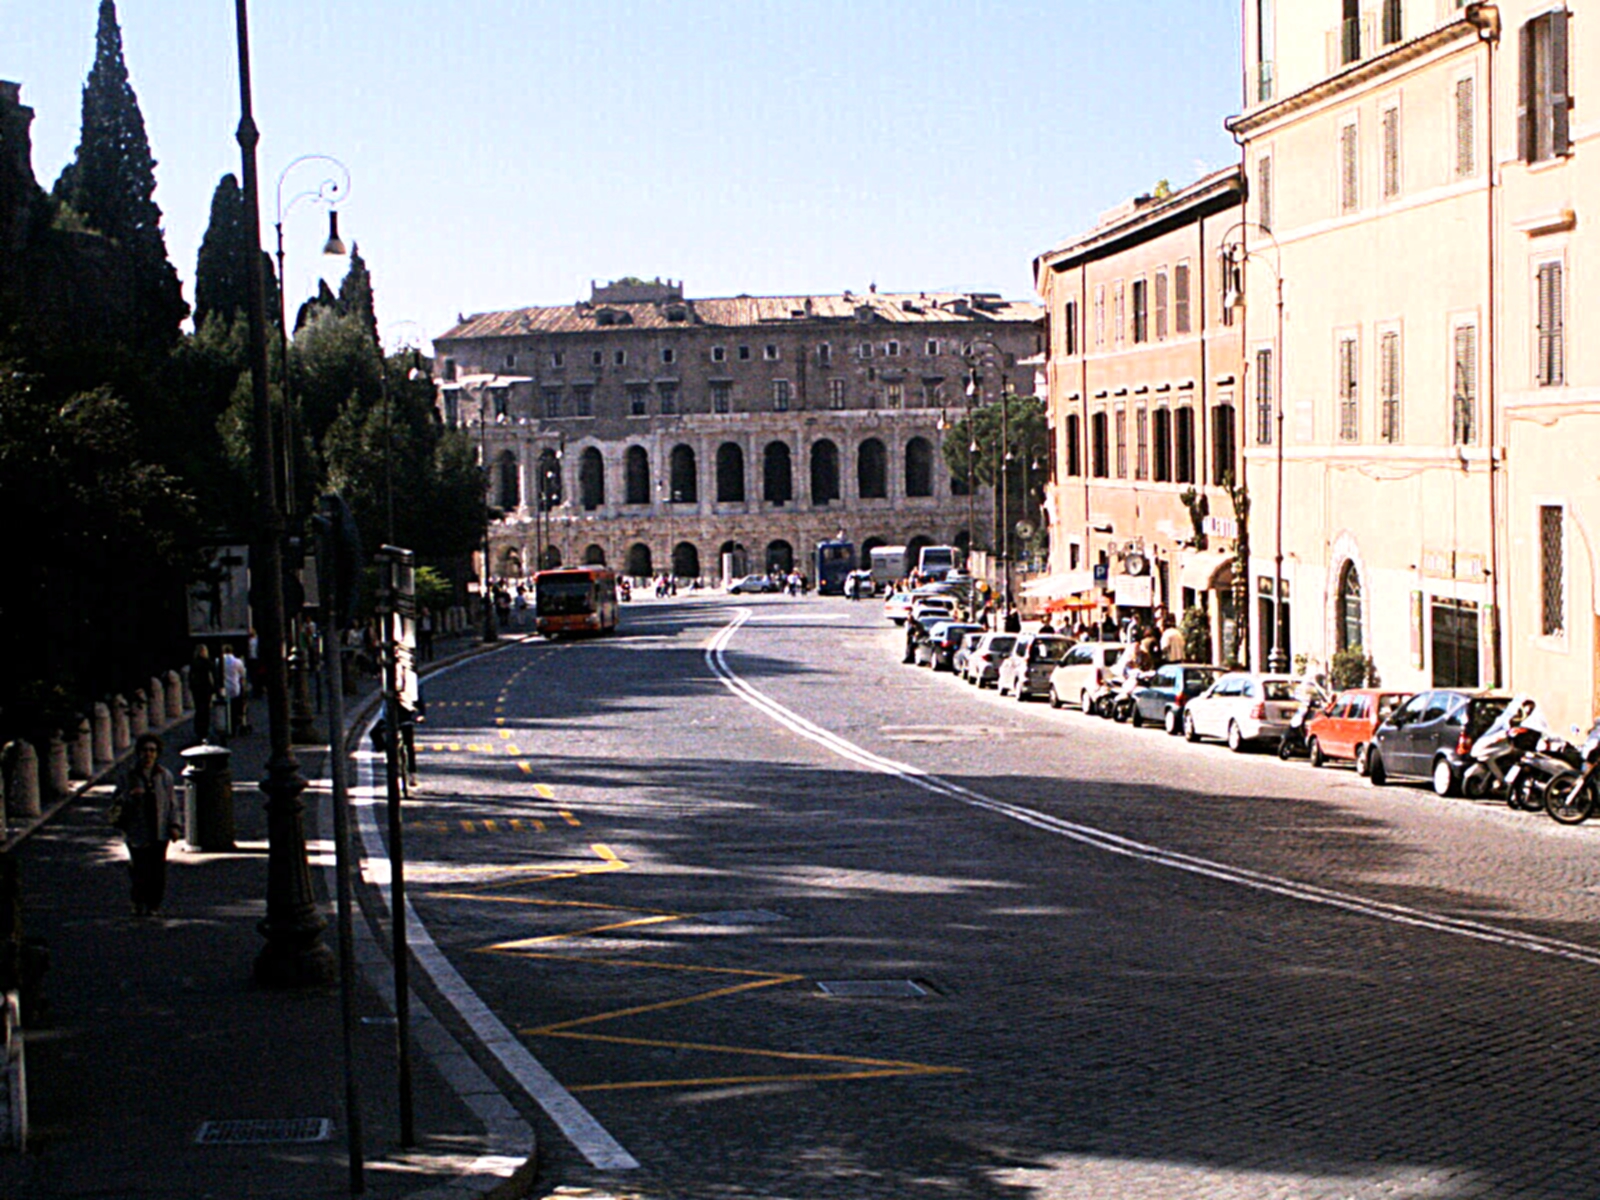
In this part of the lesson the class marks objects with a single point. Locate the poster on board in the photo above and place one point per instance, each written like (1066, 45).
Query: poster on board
(219, 599)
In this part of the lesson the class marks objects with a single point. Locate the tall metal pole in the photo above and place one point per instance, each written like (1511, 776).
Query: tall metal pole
(1278, 660)
(390, 558)
(1005, 487)
(294, 955)
(489, 632)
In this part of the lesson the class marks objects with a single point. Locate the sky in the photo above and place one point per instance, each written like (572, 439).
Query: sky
(506, 153)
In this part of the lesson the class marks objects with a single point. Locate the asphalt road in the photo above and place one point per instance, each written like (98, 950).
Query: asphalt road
(1098, 962)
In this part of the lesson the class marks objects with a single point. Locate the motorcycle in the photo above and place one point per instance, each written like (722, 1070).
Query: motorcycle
(1571, 798)
(1515, 733)
(1123, 704)
(1528, 778)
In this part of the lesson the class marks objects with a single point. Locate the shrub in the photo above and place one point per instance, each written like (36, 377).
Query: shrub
(1351, 667)
(1196, 630)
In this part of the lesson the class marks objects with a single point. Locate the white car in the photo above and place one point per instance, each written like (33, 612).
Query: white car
(924, 606)
(1242, 709)
(983, 664)
(1086, 668)
(1026, 670)
(897, 607)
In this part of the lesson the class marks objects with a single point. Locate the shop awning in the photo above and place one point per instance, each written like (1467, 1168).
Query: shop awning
(1059, 587)
(1206, 570)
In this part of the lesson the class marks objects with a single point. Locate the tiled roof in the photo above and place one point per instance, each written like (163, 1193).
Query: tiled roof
(915, 308)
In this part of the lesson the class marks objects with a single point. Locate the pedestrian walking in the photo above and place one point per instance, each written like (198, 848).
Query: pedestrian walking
(203, 687)
(1172, 644)
(145, 809)
(425, 633)
(233, 690)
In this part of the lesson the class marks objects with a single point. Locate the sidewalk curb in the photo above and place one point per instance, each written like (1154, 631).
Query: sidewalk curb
(510, 1167)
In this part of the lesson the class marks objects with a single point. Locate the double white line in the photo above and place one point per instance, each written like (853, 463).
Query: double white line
(1111, 843)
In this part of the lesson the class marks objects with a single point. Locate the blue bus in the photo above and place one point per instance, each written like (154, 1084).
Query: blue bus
(835, 560)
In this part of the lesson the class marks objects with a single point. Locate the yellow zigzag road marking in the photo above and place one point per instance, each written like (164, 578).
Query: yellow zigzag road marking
(544, 789)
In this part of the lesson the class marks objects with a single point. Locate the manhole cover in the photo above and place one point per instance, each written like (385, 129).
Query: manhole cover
(261, 1133)
(872, 989)
(742, 916)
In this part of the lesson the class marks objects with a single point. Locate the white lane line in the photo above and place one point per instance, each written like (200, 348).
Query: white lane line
(576, 1123)
(1100, 839)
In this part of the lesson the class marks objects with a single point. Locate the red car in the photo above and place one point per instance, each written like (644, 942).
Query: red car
(1344, 729)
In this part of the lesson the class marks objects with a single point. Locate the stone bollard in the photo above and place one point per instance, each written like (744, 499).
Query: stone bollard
(19, 764)
(80, 751)
(156, 715)
(121, 736)
(188, 692)
(102, 747)
(139, 714)
(56, 767)
(177, 697)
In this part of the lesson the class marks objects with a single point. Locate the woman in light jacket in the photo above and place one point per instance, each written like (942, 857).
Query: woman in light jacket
(147, 801)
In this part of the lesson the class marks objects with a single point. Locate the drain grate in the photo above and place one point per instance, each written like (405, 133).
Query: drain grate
(872, 989)
(741, 916)
(263, 1133)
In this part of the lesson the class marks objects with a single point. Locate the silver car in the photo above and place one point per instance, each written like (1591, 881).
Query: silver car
(1026, 670)
(983, 662)
(1243, 709)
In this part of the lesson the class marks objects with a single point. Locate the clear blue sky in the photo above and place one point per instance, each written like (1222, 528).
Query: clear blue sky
(506, 152)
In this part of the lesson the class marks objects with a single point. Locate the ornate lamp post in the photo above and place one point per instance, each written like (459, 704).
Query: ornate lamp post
(1234, 255)
(294, 955)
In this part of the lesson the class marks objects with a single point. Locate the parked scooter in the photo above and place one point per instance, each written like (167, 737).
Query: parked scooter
(1572, 797)
(1514, 734)
(1528, 778)
(1122, 703)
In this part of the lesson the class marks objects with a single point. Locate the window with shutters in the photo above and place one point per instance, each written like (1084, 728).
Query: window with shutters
(1161, 446)
(1141, 311)
(1391, 153)
(1118, 311)
(1552, 571)
(1464, 386)
(1264, 205)
(1550, 366)
(1389, 386)
(1161, 305)
(1069, 322)
(1099, 459)
(1122, 443)
(1349, 389)
(1466, 156)
(1223, 456)
(836, 394)
(1183, 444)
(1349, 169)
(780, 395)
(1393, 22)
(1544, 97)
(721, 397)
(1180, 299)
(1100, 316)
(1141, 443)
(1074, 449)
(1264, 406)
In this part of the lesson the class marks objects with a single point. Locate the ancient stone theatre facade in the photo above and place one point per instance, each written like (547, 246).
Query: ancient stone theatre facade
(651, 432)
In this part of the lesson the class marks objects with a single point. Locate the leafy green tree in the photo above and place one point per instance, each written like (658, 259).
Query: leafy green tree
(111, 183)
(1013, 430)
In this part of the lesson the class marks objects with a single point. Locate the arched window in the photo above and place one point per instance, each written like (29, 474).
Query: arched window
(914, 549)
(594, 556)
(636, 472)
(872, 470)
(824, 472)
(777, 474)
(685, 487)
(511, 563)
(591, 480)
(507, 492)
(919, 467)
(550, 559)
(1349, 614)
(685, 561)
(730, 473)
(549, 480)
(780, 557)
(867, 547)
(960, 542)
(639, 564)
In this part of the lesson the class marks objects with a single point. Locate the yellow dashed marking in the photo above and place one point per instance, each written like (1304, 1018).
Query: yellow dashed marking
(527, 768)
(504, 733)
(569, 818)
(513, 751)
(543, 789)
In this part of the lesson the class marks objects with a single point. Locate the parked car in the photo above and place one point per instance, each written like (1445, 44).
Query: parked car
(1161, 700)
(1083, 670)
(922, 606)
(897, 607)
(946, 639)
(858, 585)
(969, 642)
(983, 664)
(1430, 737)
(1026, 670)
(1343, 729)
(1243, 708)
(752, 584)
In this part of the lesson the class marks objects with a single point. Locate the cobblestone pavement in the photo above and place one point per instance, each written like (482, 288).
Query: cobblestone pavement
(1119, 966)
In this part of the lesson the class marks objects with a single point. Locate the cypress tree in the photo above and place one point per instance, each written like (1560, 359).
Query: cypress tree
(222, 273)
(111, 181)
(355, 293)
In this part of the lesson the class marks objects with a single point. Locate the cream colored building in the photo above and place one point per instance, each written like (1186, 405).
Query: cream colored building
(1143, 383)
(1367, 150)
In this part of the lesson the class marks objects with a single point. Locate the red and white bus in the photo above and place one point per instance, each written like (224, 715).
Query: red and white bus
(575, 600)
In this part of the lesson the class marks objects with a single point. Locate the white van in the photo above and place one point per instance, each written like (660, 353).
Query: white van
(935, 562)
(888, 565)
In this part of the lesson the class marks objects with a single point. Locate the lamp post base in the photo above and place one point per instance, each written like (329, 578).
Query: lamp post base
(294, 955)
(295, 960)
(1278, 661)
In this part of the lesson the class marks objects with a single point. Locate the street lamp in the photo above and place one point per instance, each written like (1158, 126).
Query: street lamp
(294, 955)
(1234, 255)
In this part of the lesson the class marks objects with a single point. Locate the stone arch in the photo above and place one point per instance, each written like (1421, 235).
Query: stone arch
(1349, 609)
(682, 482)
(872, 470)
(591, 480)
(507, 484)
(550, 559)
(636, 477)
(639, 563)
(686, 561)
(824, 472)
(919, 467)
(867, 547)
(914, 548)
(549, 489)
(730, 473)
(511, 563)
(777, 473)
(780, 556)
(594, 555)
(1344, 552)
